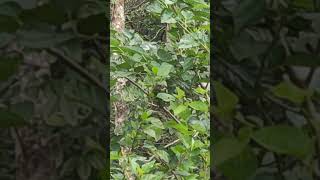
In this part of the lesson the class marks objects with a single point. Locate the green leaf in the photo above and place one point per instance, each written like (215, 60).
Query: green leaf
(84, 170)
(96, 160)
(187, 14)
(164, 55)
(170, 2)
(164, 69)
(201, 90)
(168, 17)
(156, 122)
(180, 92)
(10, 119)
(284, 140)
(225, 149)
(199, 105)
(148, 166)
(114, 155)
(163, 155)
(240, 167)
(155, 70)
(165, 97)
(155, 7)
(226, 101)
(225, 98)
(42, 38)
(150, 132)
(306, 4)
(187, 41)
(181, 108)
(56, 120)
(290, 92)
(248, 12)
(8, 67)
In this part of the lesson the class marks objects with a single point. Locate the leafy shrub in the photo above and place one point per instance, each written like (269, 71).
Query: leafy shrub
(167, 129)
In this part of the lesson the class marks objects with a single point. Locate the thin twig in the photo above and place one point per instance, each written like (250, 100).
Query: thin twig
(72, 63)
(137, 85)
(172, 143)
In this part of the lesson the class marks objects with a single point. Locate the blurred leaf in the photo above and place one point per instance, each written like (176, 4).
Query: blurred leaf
(240, 167)
(199, 105)
(165, 97)
(8, 67)
(248, 12)
(284, 140)
(290, 92)
(226, 149)
(10, 119)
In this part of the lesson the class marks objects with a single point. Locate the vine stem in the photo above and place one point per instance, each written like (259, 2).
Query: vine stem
(72, 63)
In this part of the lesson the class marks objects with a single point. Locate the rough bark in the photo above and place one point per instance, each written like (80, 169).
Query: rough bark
(120, 107)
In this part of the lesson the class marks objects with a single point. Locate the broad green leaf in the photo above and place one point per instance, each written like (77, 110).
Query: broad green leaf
(168, 17)
(8, 67)
(150, 132)
(199, 105)
(114, 155)
(10, 119)
(165, 97)
(248, 12)
(187, 14)
(170, 2)
(155, 7)
(187, 41)
(156, 122)
(148, 167)
(240, 167)
(200, 90)
(42, 38)
(306, 4)
(179, 127)
(284, 140)
(290, 92)
(181, 108)
(164, 69)
(226, 149)
(225, 98)
(84, 170)
(180, 92)
(164, 55)
(155, 70)
(163, 155)
(226, 101)
(56, 120)
(96, 160)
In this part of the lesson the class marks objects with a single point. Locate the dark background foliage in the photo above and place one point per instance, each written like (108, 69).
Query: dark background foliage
(53, 79)
(266, 80)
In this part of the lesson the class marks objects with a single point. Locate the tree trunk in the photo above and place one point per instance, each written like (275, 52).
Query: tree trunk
(118, 17)
(121, 109)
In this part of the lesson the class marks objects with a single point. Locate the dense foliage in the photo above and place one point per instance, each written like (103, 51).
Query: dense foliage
(166, 133)
(266, 120)
(53, 95)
